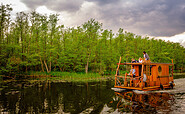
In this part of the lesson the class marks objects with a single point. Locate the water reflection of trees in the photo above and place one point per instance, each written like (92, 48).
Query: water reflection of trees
(91, 97)
(50, 97)
(142, 103)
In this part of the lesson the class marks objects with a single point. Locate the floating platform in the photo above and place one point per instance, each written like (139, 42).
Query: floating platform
(148, 76)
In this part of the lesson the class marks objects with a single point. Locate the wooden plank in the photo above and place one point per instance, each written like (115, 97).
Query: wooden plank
(137, 88)
(163, 76)
(118, 89)
(145, 63)
(145, 88)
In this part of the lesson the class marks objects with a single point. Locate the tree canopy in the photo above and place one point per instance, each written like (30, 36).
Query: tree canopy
(36, 42)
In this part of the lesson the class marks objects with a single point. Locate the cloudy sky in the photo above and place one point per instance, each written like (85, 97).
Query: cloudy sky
(164, 19)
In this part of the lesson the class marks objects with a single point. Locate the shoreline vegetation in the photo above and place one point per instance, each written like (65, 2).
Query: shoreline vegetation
(69, 77)
(60, 76)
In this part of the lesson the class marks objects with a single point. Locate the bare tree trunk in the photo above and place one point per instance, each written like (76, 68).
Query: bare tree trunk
(46, 66)
(42, 66)
(87, 65)
(29, 44)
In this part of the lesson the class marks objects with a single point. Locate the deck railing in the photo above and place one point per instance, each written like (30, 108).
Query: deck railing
(127, 80)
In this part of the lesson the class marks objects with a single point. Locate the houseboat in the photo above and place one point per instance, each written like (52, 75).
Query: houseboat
(148, 76)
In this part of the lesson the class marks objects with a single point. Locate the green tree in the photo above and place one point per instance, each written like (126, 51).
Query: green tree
(92, 29)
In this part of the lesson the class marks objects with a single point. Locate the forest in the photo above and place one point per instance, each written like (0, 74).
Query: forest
(36, 42)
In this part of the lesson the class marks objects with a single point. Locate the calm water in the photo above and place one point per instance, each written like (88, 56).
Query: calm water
(84, 98)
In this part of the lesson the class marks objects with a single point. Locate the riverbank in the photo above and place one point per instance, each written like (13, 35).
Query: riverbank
(68, 76)
(178, 75)
(60, 76)
(178, 88)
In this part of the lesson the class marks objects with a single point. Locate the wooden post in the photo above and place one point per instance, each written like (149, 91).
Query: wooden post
(142, 76)
(125, 82)
(172, 69)
(131, 78)
(117, 70)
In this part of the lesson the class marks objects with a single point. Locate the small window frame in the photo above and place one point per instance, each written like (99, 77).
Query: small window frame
(159, 69)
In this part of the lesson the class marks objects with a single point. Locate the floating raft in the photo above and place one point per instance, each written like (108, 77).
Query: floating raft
(147, 76)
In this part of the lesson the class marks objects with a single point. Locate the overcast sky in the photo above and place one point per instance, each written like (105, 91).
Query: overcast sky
(164, 19)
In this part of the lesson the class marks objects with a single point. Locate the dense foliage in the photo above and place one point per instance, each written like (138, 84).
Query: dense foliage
(35, 42)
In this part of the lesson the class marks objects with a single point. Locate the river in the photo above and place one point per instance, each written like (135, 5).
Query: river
(86, 97)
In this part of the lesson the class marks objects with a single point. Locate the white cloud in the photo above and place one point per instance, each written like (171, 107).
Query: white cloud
(176, 38)
(16, 5)
(44, 10)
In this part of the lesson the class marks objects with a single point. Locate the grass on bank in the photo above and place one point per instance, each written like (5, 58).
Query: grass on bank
(73, 76)
(178, 75)
(68, 76)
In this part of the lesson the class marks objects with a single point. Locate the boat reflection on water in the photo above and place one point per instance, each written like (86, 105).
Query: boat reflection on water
(130, 101)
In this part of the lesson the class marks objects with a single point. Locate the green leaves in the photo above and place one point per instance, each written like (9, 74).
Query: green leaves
(36, 42)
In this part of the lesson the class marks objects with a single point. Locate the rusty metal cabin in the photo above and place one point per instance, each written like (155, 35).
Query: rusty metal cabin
(148, 76)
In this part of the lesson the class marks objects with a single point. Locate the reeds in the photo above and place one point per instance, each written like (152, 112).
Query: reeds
(69, 76)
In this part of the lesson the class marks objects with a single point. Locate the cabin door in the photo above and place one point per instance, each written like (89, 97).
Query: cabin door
(140, 68)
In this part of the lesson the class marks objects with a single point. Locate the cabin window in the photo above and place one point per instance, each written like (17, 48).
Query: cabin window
(159, 69)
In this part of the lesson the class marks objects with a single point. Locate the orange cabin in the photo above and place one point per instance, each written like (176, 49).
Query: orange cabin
(148, 76)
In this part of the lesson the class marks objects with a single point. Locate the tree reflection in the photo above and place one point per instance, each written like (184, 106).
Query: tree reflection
(73, 98)
(49, 97)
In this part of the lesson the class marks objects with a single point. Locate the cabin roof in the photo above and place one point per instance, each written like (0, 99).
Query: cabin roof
(146, 63)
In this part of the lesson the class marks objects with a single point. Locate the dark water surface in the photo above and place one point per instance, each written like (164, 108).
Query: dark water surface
(90, 97)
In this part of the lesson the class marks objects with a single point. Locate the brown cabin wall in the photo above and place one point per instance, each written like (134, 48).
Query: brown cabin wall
(154, 75)
(165, 75)
(164, 79)
(165, 70)
(137, 70)
(154, 79)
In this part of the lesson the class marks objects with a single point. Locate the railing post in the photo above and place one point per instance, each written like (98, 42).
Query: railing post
(125, 82)
(117, 71)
